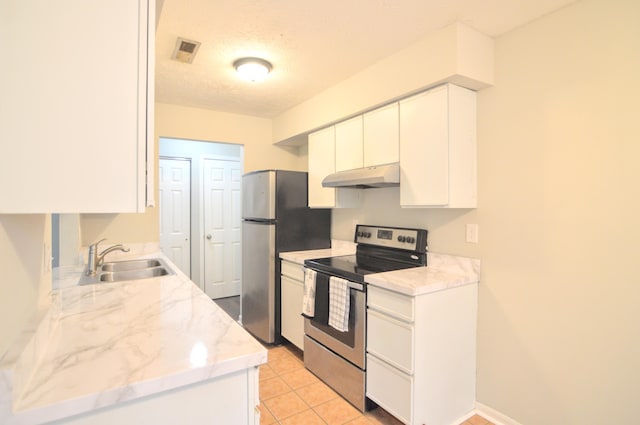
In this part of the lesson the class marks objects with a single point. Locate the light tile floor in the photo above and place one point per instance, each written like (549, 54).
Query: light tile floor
(291, 395)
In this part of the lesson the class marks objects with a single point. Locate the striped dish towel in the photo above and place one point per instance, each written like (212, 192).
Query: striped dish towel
(309, 295)
(339, 304)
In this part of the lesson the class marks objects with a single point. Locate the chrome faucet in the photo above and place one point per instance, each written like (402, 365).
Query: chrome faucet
(96, 259)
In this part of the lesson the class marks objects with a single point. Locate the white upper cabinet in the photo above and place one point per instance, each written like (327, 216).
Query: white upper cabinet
(438, 149)
(322, 156)
(322, 162)
(76, 107)
(381, 136)
(349, 144)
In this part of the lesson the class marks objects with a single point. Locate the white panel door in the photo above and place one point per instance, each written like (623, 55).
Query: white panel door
(175, 211)
(222, 227)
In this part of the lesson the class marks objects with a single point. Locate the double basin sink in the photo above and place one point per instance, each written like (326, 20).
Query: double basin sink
(118, 271)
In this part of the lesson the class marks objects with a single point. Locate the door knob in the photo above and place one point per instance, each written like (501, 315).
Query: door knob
(209, 236)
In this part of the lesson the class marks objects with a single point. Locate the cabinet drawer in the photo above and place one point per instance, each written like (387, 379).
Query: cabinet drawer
(390, 388)
(293, 270)
(391, 303)
(390, 340)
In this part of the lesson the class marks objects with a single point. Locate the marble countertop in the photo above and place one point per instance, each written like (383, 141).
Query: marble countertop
(337, 248)
(98, 345)
(442, 272)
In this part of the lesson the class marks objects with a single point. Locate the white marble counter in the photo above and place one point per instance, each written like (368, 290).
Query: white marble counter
(99, 345)
(442, 272)
(338, 247)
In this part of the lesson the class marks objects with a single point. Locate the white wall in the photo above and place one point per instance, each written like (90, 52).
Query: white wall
(24, 283)
(559, 201)
(179, 122)
(559, 149)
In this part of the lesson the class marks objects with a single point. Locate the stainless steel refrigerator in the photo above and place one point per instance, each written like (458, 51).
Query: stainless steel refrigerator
(275, 218)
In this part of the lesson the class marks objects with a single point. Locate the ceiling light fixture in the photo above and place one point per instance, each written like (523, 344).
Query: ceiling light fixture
(252, 69)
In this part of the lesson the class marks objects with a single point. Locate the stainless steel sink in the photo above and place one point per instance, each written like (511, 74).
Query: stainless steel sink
(121, 266)
(118, 271)
(133, 274)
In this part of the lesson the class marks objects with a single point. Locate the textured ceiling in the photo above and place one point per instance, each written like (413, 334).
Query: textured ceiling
(311, 44)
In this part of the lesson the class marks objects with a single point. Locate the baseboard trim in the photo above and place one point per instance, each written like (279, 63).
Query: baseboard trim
(498, 418)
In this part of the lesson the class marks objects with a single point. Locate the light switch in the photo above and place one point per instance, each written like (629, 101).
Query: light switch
(472, 233)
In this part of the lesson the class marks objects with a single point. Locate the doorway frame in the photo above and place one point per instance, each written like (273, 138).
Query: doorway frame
(173, 149)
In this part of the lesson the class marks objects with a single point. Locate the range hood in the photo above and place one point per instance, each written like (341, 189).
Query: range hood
(377, 176)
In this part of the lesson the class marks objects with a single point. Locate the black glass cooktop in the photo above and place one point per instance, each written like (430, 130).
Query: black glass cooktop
(355, 267)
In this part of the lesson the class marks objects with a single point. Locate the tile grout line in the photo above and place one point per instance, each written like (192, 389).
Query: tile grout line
(287, 354)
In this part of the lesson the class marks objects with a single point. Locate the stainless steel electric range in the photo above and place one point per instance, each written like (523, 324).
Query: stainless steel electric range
(338, 358)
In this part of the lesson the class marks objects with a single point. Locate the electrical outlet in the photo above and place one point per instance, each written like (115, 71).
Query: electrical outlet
(472, 233)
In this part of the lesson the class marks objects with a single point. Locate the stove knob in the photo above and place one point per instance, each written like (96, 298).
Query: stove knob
(411, 239)
(367, 235)
(359, 234)
(401, 238)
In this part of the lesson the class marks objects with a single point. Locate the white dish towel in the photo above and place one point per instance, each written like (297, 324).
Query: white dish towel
(309, 295)
(339, 303)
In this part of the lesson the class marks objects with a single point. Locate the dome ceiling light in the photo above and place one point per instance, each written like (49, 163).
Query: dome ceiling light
(252, 69)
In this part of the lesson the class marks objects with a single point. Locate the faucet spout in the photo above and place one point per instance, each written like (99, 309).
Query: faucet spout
(118, 247)
(96, 259)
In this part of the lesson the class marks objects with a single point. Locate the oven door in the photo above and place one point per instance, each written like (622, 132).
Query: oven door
(350, 344)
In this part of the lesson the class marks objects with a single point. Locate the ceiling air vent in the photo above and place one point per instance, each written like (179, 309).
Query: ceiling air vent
(185, 50)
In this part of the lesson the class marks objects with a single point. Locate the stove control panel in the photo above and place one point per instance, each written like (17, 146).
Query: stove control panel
(392, 237)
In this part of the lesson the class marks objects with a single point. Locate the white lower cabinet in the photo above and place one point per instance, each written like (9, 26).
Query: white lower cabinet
(228, 399)
(292, 288)
(421, 354)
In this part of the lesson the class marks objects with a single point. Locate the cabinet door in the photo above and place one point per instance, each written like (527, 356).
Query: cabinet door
(292, 321)
(381, 136)
(424, 154)
(73, 105)
(321, 164)
(438, 149)
(349, 144)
